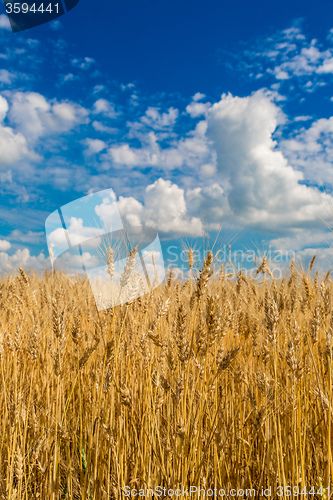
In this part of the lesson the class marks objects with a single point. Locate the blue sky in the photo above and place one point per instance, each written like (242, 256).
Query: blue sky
(191, 112)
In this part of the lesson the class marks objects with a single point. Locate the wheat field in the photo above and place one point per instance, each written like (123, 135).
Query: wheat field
(215, 382)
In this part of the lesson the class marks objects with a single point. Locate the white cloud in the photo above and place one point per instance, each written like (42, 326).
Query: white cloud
(302, 237)
(3, 108)
(4, 245)
(299, 56)
(287, 54)
(94, 146)
(56, 25)
(326, 67)
(311, 151)
(104, 107)
(35, 117)
(323, 262)
(164, 208)
(76, 231)
(23, 258)
(198, 96)
(100, 127)
(6, 77)
(69, 113)
(108, 213)
(211, 201)
(71, 264)
(131, 211)
(6, 177)
(127, 86)
(196, 109)
(262, 189)
(302, 118)
(124, 155)
(236, 171)
(159, 121)
(4, 23)
(281, 75)
(189, 152)
(13, 147)
(84, 63)
(68, 78)
(301, 61)
(208, 169)
(28, 237)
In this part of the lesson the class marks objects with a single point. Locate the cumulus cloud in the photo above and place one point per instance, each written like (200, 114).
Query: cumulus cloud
(189, 152)
(287, 54)
(131, 210)
(125, 155)
(159, 121)
(4, 23)
(6, 76)
(84, 63)
(4, 245)
(94, 146)
(228, 165)
(302, 118)
(76, 231)
(23, 258)
(35, 117)
(100, 127)
(306, 61)
(3, 108)
(208, 169)
(68, 78)
(210, 200)
(262, 189)
(164, 208)
(198, 96)
(33, 237)
(6, 177)
(196, 109)
(311, 151)
(56, 25)
(253, 182)
(13, 146)
(72, 264)
(303, 237)
(104, 107)
(324, 259)
(108, 213)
